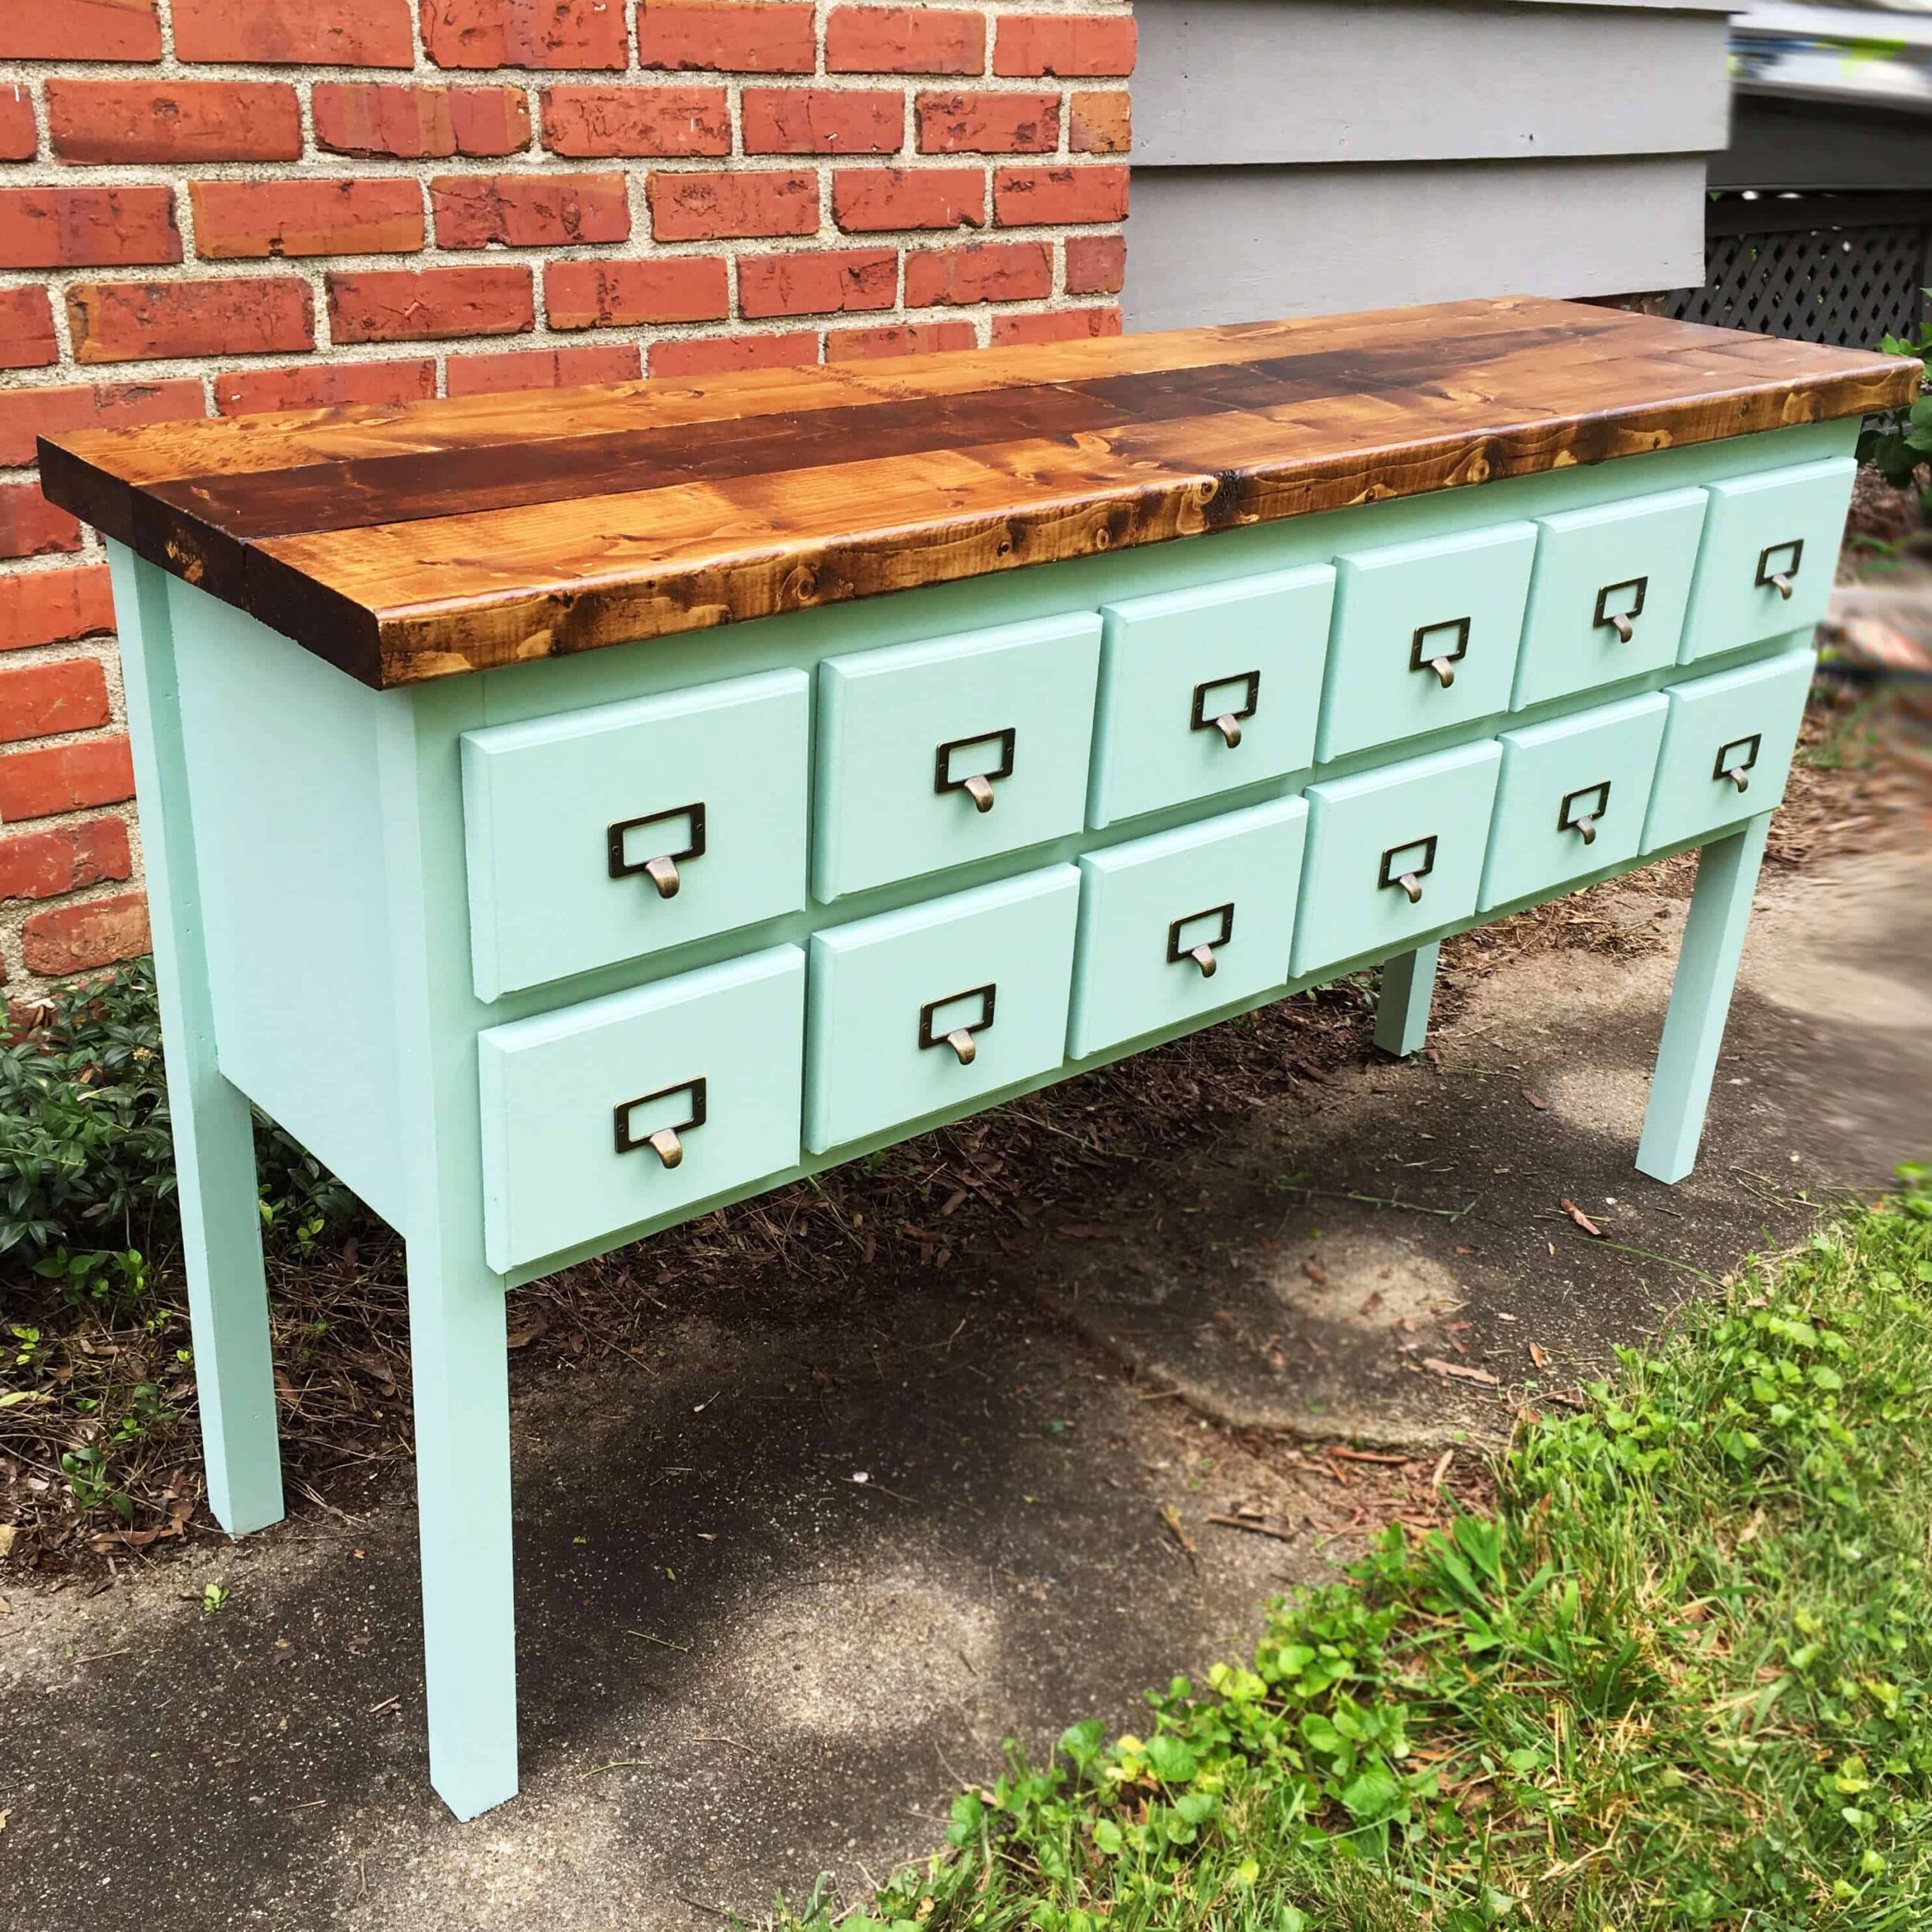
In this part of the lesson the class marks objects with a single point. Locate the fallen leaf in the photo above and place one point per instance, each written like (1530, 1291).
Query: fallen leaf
(9, 1531)
(521, 1338)
(1537, 1356)
(1436, 1367)
(1581, 1219)
(1536, 1101)
(1177, 1530)
(1079, 1233)
(1316, 1273)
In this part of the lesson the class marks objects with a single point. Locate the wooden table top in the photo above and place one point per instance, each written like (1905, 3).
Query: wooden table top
(435, 538)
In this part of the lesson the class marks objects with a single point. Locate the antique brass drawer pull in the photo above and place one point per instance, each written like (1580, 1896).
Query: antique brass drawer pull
(1203, 951)
(661, 868)
(665, 1142)
(1734, 761)
(959, 1038)
(1225, 720)
(1623, 623)
(1427, 655)
(1407, 865)
(1582, 810)
(1780, 580)
(977, 785)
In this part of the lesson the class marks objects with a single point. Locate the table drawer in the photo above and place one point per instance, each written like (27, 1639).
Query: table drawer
(1425, 820)
(601, 835)
(1770, 549)
(914, 1011)
(1227, 888)
(1572, 799)
(931, 755)
(1203, 691)
(1744, 721)
(1413, 615)
(1631, 561)
(710, 1062)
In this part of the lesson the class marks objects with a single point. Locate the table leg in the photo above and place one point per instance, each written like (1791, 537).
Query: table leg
(214, 1141)
(1402, 1013)
(1700, 1002)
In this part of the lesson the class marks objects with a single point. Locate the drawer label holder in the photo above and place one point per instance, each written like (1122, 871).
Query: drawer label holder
(1623, 622)
(978, 785)
(662, 870)
(1425, 655)
(1582, 809)
(1202, 952)
(1413, 869)
(1778, 580)
(666, 1142)
(959, 1038)
(1226, 722)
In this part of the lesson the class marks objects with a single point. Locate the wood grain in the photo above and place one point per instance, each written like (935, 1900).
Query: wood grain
(442, 537)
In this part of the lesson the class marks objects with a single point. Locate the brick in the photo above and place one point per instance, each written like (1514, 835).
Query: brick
(1096, 192)
(321, 384)
(1099, 123)
(542, 368)
(128, 321)
(332, 33)
(989, 271)
(97, 932)
(236, 219)
(1064, 43)
(426, 304)
(817, 283)
(162, 121)
(748, 37)
(866, 200)
(27, 329)
(1055, 325)
(64, 858)
(32, 527)
(526, 33)
(897, 338)
(708, 207)
(20, 135)
(671, 288)
(904, 40)
(66, 228)
(718, 355)
(592, 123)
(41, 700)
(1095, 264)
(54, 607)
(81, 30)
(26, 413)
(822, 121)
(65, 778)
(529, 210)
(390, 118)
(988, 123)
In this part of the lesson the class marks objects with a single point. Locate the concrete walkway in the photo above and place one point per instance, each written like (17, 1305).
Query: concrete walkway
(779, 1595)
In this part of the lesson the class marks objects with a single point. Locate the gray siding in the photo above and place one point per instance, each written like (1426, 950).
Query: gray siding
(1297, 157)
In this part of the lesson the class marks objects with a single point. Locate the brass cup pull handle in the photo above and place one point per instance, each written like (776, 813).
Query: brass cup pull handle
(1778, 563)
(981, 792)
(1412, 886)
(1620, 622)
(978, 785)
(1427, 650)
(959, 1029)
(1738, 776)
(1782, 584)
(1230, 728)
(1406, 865)
(1187, 940)
(662, 869)
(964, 1046)
(1203, 956)
(1587, 826)
(1443, 670)
(666, 1142)
(663, 873)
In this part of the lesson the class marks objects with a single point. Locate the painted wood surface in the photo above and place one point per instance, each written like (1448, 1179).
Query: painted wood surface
(416, 542)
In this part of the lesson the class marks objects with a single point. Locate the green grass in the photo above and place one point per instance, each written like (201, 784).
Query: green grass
(1680, 1680)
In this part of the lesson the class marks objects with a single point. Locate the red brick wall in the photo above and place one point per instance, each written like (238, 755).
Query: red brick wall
(214, 206)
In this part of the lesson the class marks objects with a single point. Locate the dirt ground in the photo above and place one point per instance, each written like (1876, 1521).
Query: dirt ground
(816, 1507)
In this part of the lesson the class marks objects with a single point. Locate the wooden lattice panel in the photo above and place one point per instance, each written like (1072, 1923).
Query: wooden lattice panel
(1848, 287)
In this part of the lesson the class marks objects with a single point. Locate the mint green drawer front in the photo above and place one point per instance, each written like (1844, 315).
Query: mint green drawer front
(1457, 601)
(1205, 689)
(931, 755)
(992, 968)
(572, 1100)
(1632, 561)
(1744, 721)
(563, 817)
(1427, 818)
(1227, 888)
(1573, 798)
(1765, 536)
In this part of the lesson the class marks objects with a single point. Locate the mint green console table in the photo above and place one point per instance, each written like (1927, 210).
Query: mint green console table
(568, 813)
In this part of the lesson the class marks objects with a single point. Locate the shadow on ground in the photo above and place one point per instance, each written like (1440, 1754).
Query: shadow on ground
(784, 1585)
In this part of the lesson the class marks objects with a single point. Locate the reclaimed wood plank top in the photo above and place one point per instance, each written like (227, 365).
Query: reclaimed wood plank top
(435, 538)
